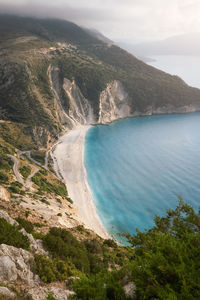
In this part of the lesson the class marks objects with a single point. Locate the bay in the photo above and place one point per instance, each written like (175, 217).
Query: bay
(138, 167)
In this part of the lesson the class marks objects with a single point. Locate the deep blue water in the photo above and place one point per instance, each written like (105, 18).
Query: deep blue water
(137, 167)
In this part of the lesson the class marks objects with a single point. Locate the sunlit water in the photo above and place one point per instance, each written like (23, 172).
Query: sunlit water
(137, 167)
(185, 66)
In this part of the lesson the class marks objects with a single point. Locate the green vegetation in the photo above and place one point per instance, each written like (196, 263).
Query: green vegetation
(56, 187)
(38, 156)
(80, 257)
(166, 263)
(3, 178)
(23, 223)
(89, 75)
(15, 187)
(17, 135)
(26, 97)
(50, 297)
(25, 171)
(9, 235)
(103, 286)
(51, 270)
(5, 162)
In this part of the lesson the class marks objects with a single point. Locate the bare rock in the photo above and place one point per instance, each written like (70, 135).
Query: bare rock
(4, 291)
(60, 294)
(5, 216)
(40, 293)
(37, 293)
(4, 194)
(15, 263)
(130, 290)
(35, 245)
(8, 270)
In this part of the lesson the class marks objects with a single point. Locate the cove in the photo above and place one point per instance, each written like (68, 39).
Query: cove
(137, 167)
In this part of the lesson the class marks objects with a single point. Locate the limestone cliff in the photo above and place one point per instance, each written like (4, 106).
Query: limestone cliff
(114, 103)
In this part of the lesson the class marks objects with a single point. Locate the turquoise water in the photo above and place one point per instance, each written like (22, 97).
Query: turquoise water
(137, 167)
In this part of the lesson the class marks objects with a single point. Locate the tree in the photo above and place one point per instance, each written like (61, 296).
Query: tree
(166, 264)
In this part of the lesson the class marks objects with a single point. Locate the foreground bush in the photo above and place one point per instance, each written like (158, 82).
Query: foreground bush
(28, 226)
(9, 235)
(51, 270)
(167, 257)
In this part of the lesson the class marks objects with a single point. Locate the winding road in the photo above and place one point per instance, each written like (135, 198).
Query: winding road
(28, 183)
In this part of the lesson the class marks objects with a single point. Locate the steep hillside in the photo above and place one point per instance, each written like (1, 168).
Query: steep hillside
(53, 75)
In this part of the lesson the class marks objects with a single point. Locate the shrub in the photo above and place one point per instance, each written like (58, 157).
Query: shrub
(110, 243)
(15, 187)
(58, 188)
(28, 226)
(11, 236)
(3, 177)
(63, 245)
(166, 263)
(50, 270)
(25, 171)
(50, 297)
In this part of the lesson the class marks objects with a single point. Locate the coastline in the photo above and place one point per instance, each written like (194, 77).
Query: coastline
(69, 157)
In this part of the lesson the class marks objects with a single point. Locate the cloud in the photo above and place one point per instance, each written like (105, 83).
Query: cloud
(127, 19)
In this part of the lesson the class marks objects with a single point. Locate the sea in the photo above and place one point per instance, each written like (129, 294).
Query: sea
(139, 167)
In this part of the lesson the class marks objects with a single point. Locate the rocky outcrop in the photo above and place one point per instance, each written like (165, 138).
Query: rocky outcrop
(80, 111)
(5, 292)
(40, 293)
(74, 108)
(6, 216)
(113, 103)
(15, 264)
(4, 194)
(35, 245)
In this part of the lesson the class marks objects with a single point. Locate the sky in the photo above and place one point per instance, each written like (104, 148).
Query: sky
(131, 20)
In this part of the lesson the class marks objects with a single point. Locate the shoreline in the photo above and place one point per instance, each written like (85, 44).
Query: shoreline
(69, 154)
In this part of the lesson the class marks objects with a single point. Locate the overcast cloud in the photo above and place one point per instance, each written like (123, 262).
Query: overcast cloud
(118, 19)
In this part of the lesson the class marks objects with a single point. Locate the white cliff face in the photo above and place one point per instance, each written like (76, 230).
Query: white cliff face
(113, 103)
(80, 111)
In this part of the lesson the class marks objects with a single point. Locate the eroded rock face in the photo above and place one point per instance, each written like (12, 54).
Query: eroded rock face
(80, 111)
(8, 270)
(15, 264)
(113, 103)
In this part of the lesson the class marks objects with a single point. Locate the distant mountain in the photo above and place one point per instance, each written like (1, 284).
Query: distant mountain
(95, 33)
(187, 44)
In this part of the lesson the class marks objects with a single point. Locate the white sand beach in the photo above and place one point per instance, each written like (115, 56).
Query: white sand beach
(69, 155)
